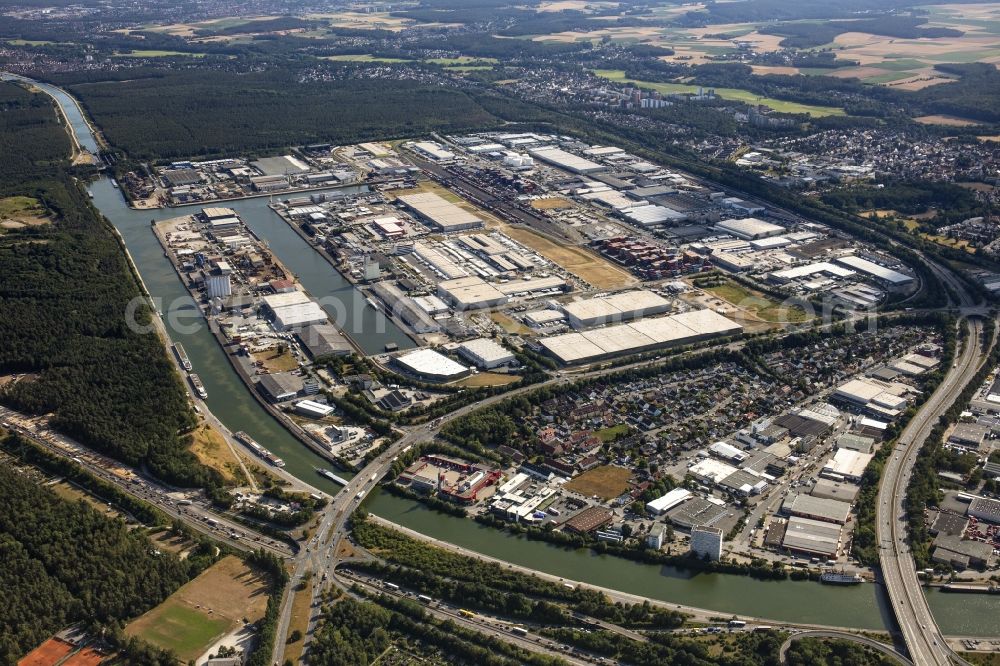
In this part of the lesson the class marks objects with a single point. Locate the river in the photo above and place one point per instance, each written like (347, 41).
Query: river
(862, 606)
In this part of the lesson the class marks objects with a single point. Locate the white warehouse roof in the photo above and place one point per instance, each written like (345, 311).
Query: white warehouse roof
(564, 160)
(429, 363)
(668, 501)
(299, 314)
(617, 307)
(875, 270)
(750, 228)
(440, 212)
(485, 353)
(638, 336)
(848, 463)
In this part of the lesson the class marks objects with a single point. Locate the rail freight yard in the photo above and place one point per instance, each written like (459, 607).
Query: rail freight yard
(578, 252)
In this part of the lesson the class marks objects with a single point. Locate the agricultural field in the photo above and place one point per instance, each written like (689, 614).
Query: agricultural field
(606, 482)
(208, 607)
(908, 64)
(735, 94)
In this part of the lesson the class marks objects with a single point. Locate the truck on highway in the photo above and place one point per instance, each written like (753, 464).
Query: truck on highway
(518, 631)
(737, 624)
(466, 613)
(424, 598)
(392, 586)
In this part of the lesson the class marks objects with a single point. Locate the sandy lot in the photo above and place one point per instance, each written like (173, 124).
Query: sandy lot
(586, 265)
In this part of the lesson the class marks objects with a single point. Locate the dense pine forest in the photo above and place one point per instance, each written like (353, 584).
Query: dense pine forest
(63, 298)
(186, 113)
(63, 562)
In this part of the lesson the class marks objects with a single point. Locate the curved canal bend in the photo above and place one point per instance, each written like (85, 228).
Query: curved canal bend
(862, 606)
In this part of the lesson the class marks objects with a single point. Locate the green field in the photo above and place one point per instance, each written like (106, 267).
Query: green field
(612, 433)
(763, 307)
(152, 53)
(461, 60)
(178, 627)
(734, 94)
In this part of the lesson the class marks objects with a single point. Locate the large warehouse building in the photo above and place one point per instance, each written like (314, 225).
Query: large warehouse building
(566, 161)
(440, 213)
(615, 308)
(815, 537)
(750, 228)
(429, 364)
(644, 335)
(880, 273)
(293, 309)
(485, 353)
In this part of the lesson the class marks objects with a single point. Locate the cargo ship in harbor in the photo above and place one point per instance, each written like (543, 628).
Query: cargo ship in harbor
(327, 473)
(198, 387)
(259, 450)
(835, 578)
(182, 356)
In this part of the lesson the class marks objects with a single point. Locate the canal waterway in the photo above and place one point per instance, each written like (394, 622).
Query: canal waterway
(862, 606)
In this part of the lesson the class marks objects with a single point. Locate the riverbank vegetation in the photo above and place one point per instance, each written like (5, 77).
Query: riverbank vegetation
(65, 300)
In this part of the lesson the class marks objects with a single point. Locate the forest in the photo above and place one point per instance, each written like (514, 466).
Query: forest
(189, 113)
(63, 300)
(809, 35)
(63, 562)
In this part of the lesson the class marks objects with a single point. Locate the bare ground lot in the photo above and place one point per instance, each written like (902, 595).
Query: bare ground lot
(606, 482)
(588, 266)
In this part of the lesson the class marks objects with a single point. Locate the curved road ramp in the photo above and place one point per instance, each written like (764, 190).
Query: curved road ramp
(843, 635)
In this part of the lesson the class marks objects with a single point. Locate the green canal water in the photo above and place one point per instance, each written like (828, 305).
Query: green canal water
(862, 606)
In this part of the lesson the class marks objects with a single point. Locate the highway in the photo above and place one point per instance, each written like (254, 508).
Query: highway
(924, 641)
(189, 507)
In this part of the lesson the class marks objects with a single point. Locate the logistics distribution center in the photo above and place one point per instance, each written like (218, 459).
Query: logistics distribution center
(640, 336)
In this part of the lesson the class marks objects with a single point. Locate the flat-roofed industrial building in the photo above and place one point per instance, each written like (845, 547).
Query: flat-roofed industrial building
(471, 293)
(750, 228)
(485, 353)
(404, 307)
(667, 502)
(815, 537)
(439, 212)
(816, 508)
(431, 365)
(847, 464)
(564, 160)
(615, 308)
(881, 273)
(643, 335)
